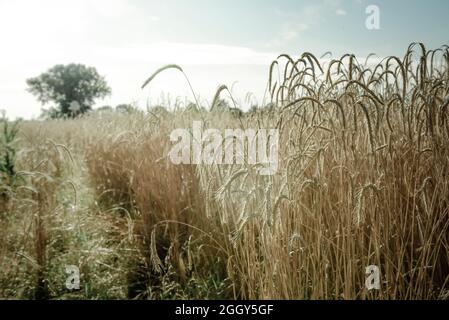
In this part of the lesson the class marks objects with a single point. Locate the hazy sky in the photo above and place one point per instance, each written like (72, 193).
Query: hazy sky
(216, 42)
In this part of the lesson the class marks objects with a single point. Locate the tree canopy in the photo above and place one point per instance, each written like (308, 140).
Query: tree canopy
(73, 88)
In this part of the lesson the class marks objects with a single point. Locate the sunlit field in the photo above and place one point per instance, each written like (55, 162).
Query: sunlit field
(362, 180)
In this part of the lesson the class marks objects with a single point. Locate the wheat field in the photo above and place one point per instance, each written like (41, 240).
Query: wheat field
(363, 180)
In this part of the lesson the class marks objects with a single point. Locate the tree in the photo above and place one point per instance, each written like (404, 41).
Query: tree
(125, 108)
(72, 88)
(105, 109)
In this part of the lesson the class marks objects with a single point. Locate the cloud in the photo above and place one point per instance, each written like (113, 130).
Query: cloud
(313, 12)
(108, 8)
(26, 24)
(310, 16)
(291, 31)
(192, 54)
(126, 67)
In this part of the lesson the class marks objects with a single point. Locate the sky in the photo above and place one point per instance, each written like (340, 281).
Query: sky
(216, 42)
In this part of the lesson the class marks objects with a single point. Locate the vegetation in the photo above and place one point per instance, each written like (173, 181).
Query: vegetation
(72, 88)
(362, 180)
(8, 152)
(8, 176)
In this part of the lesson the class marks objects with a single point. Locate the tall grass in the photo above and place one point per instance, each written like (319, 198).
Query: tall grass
(362, 181)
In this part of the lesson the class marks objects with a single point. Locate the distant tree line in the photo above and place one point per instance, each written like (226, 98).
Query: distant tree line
(73, 89)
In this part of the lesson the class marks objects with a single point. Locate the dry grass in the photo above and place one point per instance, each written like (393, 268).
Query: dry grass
(362, 180)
